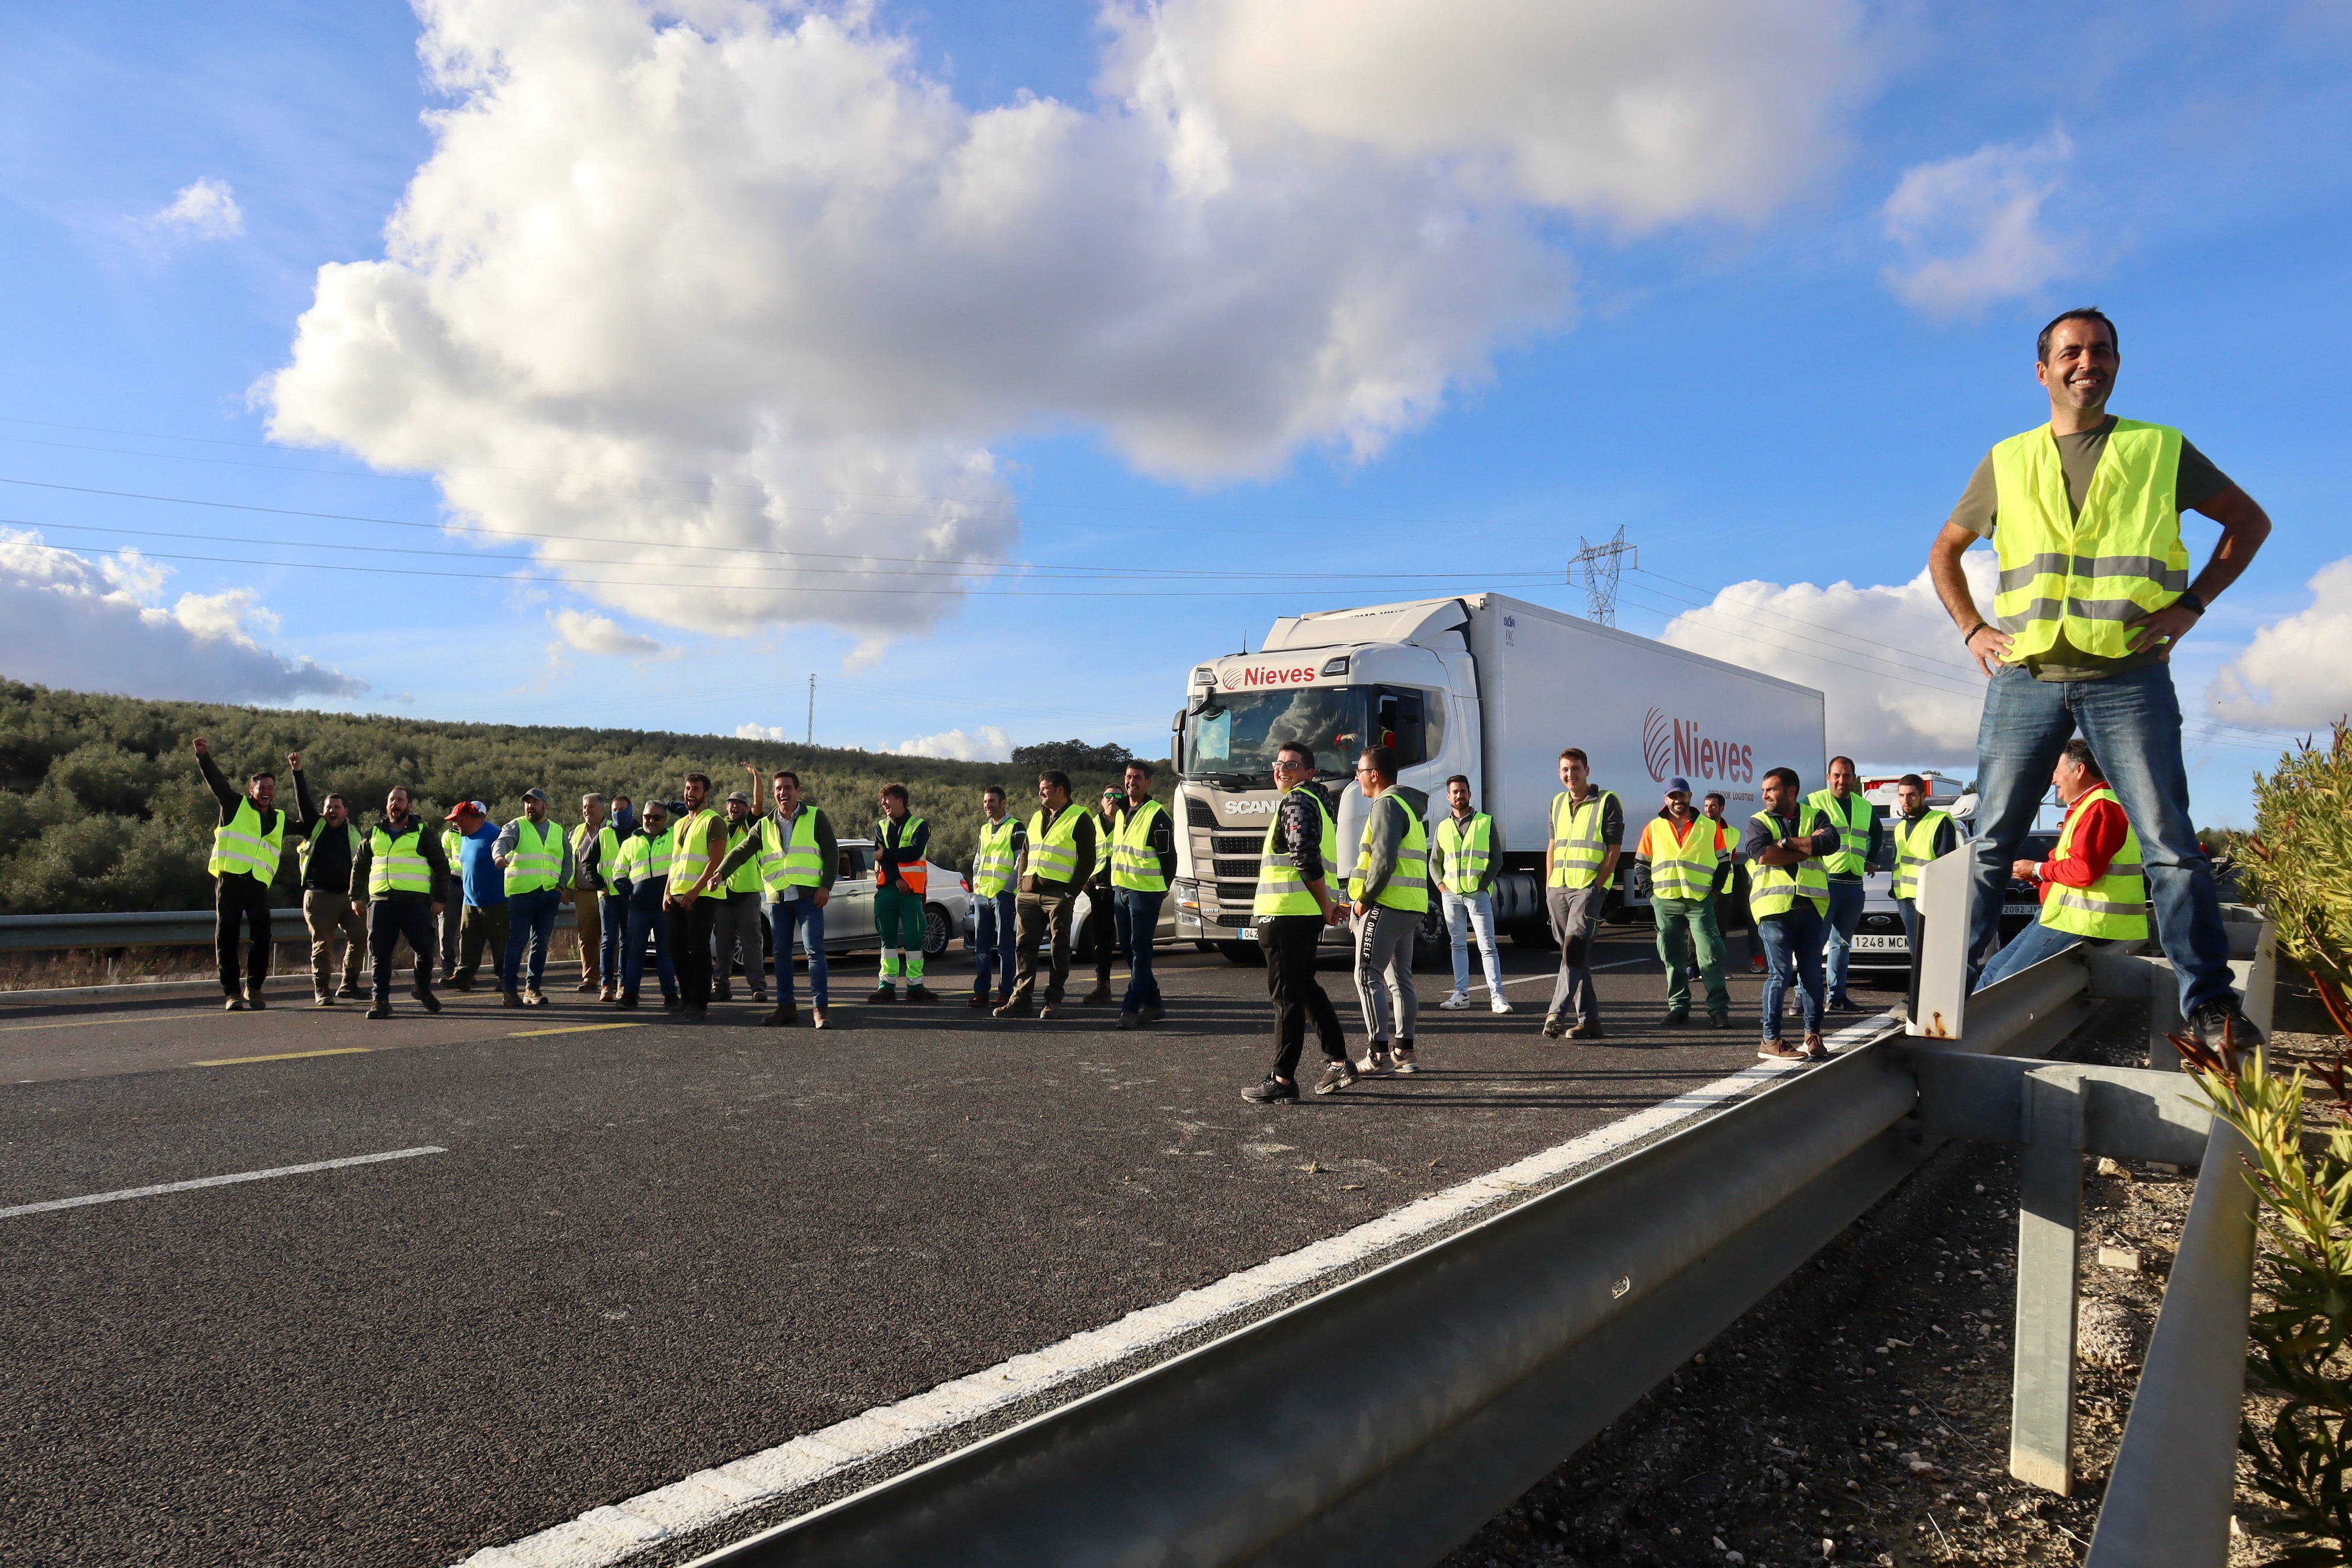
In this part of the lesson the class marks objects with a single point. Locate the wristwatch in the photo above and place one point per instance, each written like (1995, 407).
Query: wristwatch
(2196, 606)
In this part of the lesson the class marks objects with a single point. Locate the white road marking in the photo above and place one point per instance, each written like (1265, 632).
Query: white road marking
(613, 1534)
(56, 1203)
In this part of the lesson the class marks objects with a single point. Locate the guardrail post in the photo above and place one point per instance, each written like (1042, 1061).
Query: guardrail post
(2049, 1222)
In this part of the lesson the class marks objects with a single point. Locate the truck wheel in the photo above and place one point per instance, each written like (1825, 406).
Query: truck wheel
(1247, 953)
(936, 929)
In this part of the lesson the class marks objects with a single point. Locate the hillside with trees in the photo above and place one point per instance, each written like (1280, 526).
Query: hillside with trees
(101, 807)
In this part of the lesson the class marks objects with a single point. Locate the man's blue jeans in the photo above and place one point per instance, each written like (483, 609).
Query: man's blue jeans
(993, 922)
(2133, 724)
(1910, 909)
(1844, 914)
(646, 920)
(615, 916)
(1792, 952)
(1463, 918)
(1137, 915)
(803, 916)
(530, 923)
(2026, 949)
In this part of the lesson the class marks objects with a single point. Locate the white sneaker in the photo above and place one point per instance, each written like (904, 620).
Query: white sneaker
(1502, 1003)
(1376, 1064)
(1456, 1003)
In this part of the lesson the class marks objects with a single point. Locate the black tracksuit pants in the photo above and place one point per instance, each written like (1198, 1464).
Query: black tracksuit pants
(241, 902)
(689, 949)
(388, 919)
(1291, 942)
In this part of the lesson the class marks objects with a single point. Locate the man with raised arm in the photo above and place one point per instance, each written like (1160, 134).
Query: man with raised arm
(246, 848)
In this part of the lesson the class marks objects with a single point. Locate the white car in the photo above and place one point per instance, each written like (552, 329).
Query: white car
(850, 913)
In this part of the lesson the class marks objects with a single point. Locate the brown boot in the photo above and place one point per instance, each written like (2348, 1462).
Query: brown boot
(1100, 993)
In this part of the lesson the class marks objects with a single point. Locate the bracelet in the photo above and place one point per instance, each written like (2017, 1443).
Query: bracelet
(1970, 634)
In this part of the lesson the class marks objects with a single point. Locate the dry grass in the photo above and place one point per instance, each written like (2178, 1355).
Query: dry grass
(130, 966)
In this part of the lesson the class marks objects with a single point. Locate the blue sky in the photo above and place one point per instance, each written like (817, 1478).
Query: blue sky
(1747, 388)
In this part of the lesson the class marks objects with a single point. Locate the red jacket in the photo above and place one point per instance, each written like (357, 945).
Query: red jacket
(2097, 837)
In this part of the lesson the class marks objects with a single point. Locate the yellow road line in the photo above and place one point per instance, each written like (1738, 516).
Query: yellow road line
(572, 1029)
(87, 1023)
(284, 1057)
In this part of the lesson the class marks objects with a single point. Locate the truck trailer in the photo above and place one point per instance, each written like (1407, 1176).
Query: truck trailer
(1484, 686)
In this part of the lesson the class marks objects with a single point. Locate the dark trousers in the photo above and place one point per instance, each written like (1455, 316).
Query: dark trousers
(1139, 920)
(480, 927)
(388, 919)
(613, 923)
(1102, 925)
(689, 949)
(240, 900)
(1041, 915)
(644, 921)
(1290, 942)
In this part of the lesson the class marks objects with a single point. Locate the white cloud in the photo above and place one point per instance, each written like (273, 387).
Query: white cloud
(2295, 674)
(750, 282)
(205, 210)
(1896, 687)
(70, 622)
(1972, 227)
(761, 733)
(602, 638)
(985, 744)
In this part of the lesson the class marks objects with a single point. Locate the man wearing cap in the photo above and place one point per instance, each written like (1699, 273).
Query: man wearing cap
(1683, 852)
(735, 896)
(485, 920)
(537, 860)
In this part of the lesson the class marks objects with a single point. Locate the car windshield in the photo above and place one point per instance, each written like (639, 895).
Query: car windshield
(1238, 733)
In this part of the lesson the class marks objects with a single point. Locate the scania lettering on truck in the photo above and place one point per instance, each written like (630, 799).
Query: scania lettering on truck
(1483, 686)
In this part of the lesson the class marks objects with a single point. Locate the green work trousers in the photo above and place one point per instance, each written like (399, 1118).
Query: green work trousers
(898, 919)
(1685, 924)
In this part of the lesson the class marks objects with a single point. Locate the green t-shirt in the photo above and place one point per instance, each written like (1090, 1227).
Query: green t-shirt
(2078, 456)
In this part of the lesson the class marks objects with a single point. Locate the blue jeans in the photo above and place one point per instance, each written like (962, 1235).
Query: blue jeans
(645, 918)
(2026, 949)
(799, 915)
(1844, 914)
(2133, 724)
(1910, 909)
(1464, 916)
(1792, 951)
(1136, 918)
(994, 922)
(530, 923)
(616, 914)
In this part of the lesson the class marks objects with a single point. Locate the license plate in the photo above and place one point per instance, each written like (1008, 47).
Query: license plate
(2027, 909)
(1881, 944)
(1247, 933)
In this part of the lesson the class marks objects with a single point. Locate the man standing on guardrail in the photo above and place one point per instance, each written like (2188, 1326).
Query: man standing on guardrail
(2083, 512)
(1789, 900)
(244, 864)
(400, 870)
(1588, 830)
(329, 843)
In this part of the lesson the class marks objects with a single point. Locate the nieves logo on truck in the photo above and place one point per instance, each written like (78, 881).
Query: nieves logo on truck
(1675, 746)
(1248, 677)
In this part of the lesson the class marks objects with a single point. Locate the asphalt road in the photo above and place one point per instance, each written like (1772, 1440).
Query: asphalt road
(649, 1250)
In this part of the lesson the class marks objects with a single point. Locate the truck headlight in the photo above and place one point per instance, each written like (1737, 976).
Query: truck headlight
(1187, 896)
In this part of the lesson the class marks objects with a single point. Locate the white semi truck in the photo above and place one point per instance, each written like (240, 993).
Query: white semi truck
(1484, 686)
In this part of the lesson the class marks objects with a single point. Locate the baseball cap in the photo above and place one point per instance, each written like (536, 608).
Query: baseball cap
(537, 794)
(734, 795)
(463, 807)
(1680, 785)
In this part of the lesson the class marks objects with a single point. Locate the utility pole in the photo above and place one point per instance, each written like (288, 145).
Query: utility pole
(1601, 564)
(809, 738)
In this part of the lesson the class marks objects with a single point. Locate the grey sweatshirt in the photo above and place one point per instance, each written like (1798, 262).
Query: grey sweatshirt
(1390, 817)
(509, 836)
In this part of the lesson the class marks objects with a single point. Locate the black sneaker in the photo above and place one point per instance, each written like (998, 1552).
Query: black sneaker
(2219, 1022)
(781, 1018)
(1337, 1076)
(1675, 1019)
(1269, 1088)
(424, 994)
(512, 999)
(1846, 1004)
(253, 999)
(920, 994)
(627, 999)
(380, 1010)
(1718, 1020)
(350, 994)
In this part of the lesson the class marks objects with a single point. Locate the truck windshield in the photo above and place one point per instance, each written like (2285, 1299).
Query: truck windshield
(1239, 733)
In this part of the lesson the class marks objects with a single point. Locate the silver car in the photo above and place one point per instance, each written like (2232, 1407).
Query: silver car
(850, 913)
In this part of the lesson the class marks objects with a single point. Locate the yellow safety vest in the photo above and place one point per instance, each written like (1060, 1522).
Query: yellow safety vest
(608, 854)
(992, 861)
(1773, 889)
(1576, 847)
(1464, 847)
(744, 879)
(302, 851)
(452, 843)
(1852, 859)
(2115, 906)
(1684, 869)
(642, 858)
(1054, 852)
(241, 850)
(397, 862)
(1281, 891)
(689, 849)
(793, 865)
(913, 876)
(1915, 846)
(2083, 576)
(1134, 864)
(538, 859)
(1407, 888)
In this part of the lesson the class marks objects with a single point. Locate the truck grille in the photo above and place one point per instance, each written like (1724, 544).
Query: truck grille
(1232, 922)
(1238, 869)
(1197, 812)
(1248, 843)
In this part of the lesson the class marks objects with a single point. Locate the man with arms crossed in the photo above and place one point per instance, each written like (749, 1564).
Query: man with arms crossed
(1588, 829)
(794, 850)
(1061, 857)
(1919, 837)
(1789, 900)
(2094, 593)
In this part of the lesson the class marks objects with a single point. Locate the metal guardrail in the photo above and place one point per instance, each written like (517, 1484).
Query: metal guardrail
(1382, 1422)
(158, 928)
